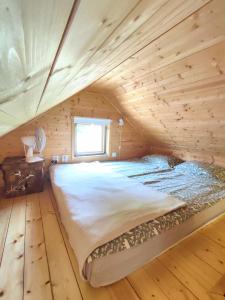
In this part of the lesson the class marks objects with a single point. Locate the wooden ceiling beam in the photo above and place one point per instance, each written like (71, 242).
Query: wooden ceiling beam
(64, 35)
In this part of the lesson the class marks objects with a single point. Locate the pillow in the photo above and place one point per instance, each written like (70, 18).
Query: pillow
(217, 172)
(162, 160)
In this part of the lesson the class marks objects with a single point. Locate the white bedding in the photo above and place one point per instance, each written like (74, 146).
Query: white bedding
(97, 204)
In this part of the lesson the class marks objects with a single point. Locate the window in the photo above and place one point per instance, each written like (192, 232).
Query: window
(90, 136)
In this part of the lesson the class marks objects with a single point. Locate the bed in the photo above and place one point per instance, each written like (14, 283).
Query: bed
(200, 186)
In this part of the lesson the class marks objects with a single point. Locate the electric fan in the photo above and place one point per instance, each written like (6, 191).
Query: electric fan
(34, 143)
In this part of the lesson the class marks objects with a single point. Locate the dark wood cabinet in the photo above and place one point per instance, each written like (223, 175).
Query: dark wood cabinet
(22, 178)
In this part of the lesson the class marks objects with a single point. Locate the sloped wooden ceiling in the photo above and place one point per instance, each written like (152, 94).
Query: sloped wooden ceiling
(174, 88)
(30, 32)
(51, 49)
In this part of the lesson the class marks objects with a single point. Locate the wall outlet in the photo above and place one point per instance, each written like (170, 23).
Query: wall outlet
(114, 154)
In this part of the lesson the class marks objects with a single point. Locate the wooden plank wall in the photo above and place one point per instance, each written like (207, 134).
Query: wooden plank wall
(173, 89)
(57, 124)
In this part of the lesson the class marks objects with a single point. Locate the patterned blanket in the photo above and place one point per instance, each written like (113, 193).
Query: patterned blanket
(199, 185)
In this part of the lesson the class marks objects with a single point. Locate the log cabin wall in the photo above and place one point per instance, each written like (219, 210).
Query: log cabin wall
(173, 89)
(57, 124)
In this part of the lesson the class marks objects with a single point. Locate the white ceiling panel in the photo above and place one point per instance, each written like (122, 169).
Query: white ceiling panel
(7, 123)
(93, 23)
(30, 33)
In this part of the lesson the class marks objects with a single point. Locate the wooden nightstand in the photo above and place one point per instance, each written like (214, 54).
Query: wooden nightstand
(22, 178)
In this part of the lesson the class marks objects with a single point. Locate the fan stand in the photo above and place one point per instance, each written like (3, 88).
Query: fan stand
(30, 158)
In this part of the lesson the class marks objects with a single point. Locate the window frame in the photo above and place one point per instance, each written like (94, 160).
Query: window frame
(105, 140)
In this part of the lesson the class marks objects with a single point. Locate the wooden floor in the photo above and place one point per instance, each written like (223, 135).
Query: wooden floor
(38, 263)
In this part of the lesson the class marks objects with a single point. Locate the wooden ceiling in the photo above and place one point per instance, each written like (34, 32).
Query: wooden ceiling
(173, 89)
(52, 49)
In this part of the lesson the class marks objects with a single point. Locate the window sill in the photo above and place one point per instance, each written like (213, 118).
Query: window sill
(90, 157)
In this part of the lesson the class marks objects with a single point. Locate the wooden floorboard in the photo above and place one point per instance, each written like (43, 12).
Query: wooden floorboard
(155, 281)
(37, 261)
(63, 280)
(192, 272)
(5, 213)
(216, 232)
(12, 266)
(218, 291)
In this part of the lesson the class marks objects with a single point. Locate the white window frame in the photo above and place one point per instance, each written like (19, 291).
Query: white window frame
(88, 121)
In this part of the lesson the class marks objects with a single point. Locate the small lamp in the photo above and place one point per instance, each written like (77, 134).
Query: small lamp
(121, 122)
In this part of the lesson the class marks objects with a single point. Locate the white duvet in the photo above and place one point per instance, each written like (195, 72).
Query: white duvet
(97, 204)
